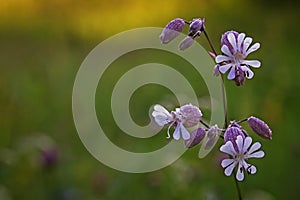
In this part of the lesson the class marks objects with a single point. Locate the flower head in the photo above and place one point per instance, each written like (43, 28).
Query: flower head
(240, 155)
(260, 127)
(172, 30)
(185, 116)
(235, 48)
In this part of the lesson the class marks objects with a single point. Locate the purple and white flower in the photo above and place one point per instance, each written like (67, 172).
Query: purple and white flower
(235, 48)
(185, 116)
(172, 30)
(239, 156)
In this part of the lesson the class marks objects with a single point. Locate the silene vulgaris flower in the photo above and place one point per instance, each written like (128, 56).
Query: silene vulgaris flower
(235, 48)
(239, 155)
(182, 118)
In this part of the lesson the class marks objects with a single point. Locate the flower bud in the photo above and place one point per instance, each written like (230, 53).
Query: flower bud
(186, 43)
(191, 115)
(172, 30)
(212, 135)
(196, 137)
(196, 26)
(239, 76)
(260, 127)
(231, 134)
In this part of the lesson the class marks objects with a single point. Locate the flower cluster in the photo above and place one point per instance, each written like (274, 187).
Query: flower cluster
(235, 48)
(175, 27)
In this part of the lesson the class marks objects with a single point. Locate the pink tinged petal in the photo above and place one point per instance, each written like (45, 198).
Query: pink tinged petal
(254, 147)
(252, 48)
(226, 162)
(232, 40)
(247, 143)
(229, 169)
(176, 134)
(240, 143)
(221, 58)
(246, 44)
(184, 132)
(224, 68)
(228, 148)
(258, 154)
(241, 37)
(226, 51)
(252, 63)
(231, 74)
(240, 173)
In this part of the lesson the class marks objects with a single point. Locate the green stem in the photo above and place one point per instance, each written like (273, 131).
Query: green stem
(238, 188)
(224, 99)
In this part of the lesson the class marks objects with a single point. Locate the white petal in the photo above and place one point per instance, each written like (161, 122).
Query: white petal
(224, 68)
(252, 169)
(252, 63)
(240, 143)
(161, 120)
(229, 169)
(252, 48)
(258, 154)
(248, 71)
(228, 148)
(226, 51)
(226, 162)
(246, 44)
(241, 37)
(254, 147)
(184, 132)
(161, 109)
(231, 74)
(240, 173)
(232, 40)
(221, 58)
(247, 143)
(176, 134)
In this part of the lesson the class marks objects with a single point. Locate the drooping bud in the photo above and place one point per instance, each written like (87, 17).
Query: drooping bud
(191, 115)
(196, 26)
(231, 134)
(260, 127)
(172, 30)
(186, 43)
(196, 137)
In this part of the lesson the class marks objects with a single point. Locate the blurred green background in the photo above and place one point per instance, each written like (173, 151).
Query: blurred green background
(42, 44)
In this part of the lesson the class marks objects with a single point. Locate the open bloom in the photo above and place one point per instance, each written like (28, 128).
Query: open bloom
(240, 155)
(185, 116)
(235, 48)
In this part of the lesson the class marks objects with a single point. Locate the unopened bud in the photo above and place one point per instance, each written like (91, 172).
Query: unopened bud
(260, 127)
(172, 30)
(196, 137)
(186, 43)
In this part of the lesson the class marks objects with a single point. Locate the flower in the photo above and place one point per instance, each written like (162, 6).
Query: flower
(212, 135)
(185, 116)
(172, 30)
(236, 47)
(260, 127)
(240, 155)
(196, 137)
